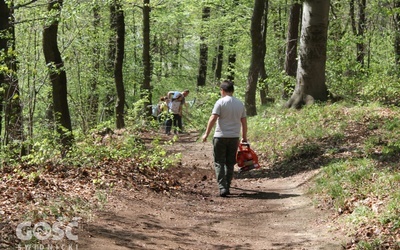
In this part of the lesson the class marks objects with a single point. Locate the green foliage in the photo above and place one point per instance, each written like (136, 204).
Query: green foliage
(380, 87)
(356, 149)
(302, 151)
(42, 151)
(359, 186)
(320, 132)
(392, 212)
(385, 144)
(84, 44)
(283, 132)
(201, 109)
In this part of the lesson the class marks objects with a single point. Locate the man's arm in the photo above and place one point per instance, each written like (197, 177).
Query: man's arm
(243, 120)
(170, 95)
(211, 122)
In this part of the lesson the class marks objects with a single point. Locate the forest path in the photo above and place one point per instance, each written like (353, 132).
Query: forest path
(261, 213)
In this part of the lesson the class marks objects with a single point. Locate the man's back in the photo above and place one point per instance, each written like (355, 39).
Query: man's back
(230, 111)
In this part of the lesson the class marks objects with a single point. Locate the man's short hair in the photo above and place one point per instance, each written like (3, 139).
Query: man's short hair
(227, 86)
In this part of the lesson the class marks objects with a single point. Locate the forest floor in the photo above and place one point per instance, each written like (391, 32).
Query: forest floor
(264, 211)
(121, 203)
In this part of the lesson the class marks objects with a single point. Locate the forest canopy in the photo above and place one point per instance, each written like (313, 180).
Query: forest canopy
(75, 65)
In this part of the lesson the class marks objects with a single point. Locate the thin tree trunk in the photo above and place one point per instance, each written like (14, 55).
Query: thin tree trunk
(263, 72)
(231, 62)
(256, 57)
(359, 29)
(397, 35)
(232, 52)
(58, 77)
(146, 87)
(118, 65)
(176, 64)
(109, 99)
(217, 62)
(201, 77)
(13, 109)
(94, 95)
(291, 45)
(310, 84)
(4, 26)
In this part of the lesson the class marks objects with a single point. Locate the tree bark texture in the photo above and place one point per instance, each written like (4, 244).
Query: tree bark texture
(231, 65)
(291, 45)
(217, 62)
(256, 57)
(58, 77)
(359, 29)
(146, 86)
(310, 79)
(397, 35)
(231, 50)
(13, 118)
(109, 98)
(94, 95)
(4, 16)
(203, 59)
(118, 66)
(263, 72)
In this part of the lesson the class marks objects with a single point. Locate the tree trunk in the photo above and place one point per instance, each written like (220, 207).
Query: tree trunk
(58, 77)
(359, 29)
(217, 62)
(94, 95)
(397, 35)
(232, 52)
(256, 57)
(109, 99)
(310, 85)
(263, 72)
(118, 66)
(291, 45)
(4, 26)
(11, 96)
(176, 50)
(231, 63)
(203, 59)
(146, 87)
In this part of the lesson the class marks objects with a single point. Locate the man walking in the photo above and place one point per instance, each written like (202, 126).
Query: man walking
(230, 116)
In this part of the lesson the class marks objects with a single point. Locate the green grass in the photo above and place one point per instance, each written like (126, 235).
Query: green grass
(356, 148)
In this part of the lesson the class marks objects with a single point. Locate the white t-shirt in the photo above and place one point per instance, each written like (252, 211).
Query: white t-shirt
(230, 111)
(175, 107)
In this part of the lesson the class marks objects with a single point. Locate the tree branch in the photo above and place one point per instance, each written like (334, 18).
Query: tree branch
(24, 4)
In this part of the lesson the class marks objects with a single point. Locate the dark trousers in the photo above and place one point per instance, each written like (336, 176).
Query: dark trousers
(176, 121)
(224, 160)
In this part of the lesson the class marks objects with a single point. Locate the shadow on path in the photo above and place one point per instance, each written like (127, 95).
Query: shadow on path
(260, 195)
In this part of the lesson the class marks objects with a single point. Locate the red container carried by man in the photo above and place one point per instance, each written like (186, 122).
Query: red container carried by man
(246, 158)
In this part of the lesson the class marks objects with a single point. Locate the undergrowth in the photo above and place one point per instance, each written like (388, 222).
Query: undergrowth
(357, 150)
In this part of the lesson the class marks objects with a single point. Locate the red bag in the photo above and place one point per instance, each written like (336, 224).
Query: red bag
(246, 158)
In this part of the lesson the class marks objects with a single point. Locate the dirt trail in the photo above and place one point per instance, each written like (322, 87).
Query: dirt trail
(261, 213)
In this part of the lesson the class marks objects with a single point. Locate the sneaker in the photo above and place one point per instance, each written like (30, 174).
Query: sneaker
(223, 192)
